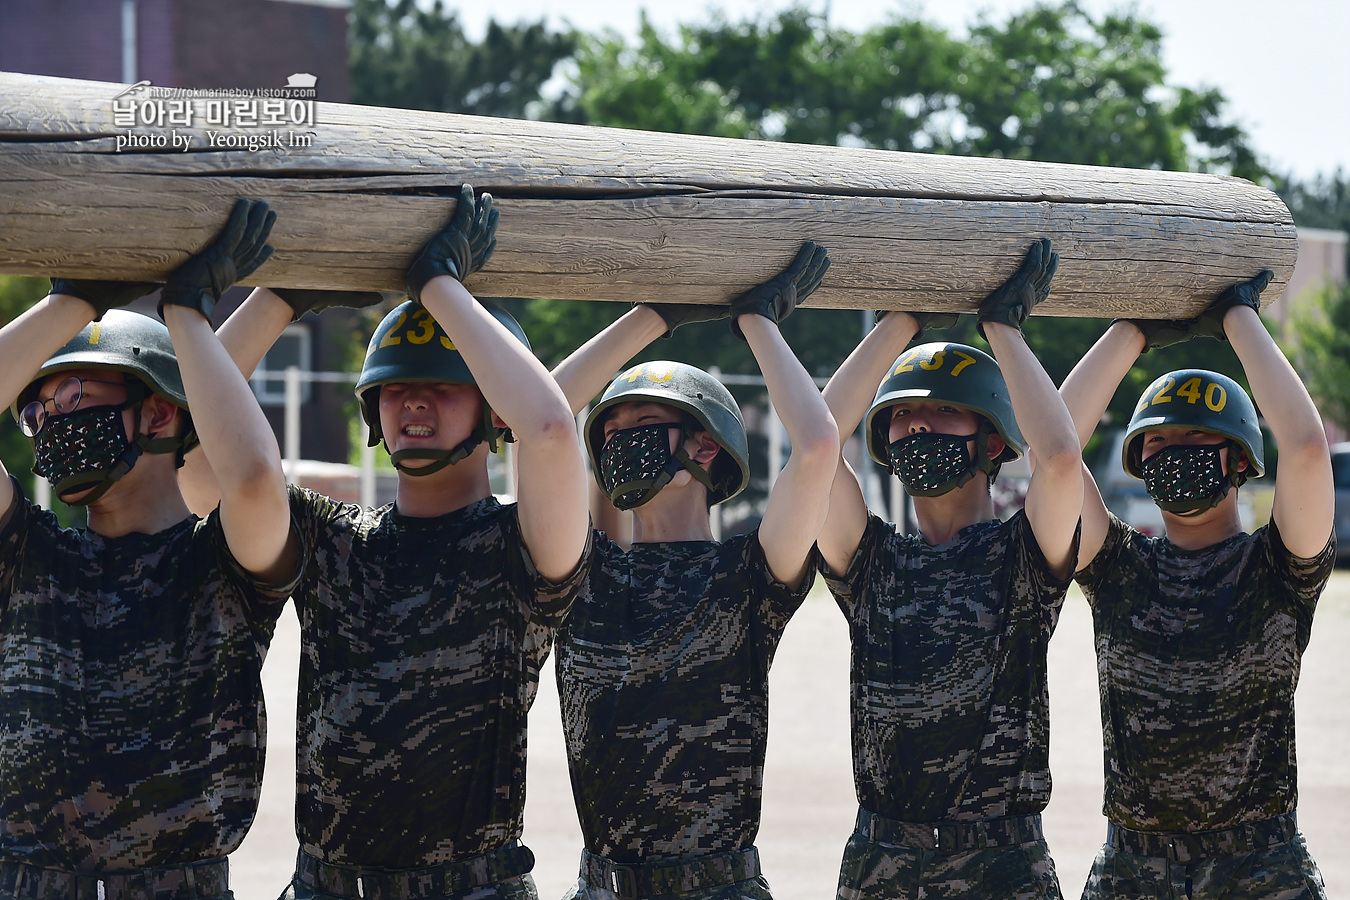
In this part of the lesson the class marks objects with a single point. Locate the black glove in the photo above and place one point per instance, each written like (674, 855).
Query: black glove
(463, 247)
(1246, 293)
(776, 298)
(928, 321)
(1012, 301)
(303, 300)
(237, 252)
(103, 295)
(677, 314)
(1162, 332)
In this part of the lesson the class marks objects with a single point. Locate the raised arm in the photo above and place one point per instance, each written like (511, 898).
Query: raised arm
(247, 335)
(1304, 507)
(235, 436)
(551, 487)
(1055, 495)
(589, 368)
(1087, 392)
(1054, 498)
(801, 496)
(848, 396)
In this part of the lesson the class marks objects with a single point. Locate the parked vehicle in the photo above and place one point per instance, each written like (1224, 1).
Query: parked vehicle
(1340, 476)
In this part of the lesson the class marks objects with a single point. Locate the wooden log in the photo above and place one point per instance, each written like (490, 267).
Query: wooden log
(606, 214)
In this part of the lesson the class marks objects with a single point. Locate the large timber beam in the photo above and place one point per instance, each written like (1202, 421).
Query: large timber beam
(606, 214)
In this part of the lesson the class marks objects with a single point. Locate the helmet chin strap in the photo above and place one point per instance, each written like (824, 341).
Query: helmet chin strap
(440, 458)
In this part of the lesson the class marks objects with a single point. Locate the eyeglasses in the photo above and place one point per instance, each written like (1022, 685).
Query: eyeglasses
(68, 395)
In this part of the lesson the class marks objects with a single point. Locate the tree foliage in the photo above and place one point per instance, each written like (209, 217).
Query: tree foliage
(1321, 202)
(1318, 340)
(1053, 83)
(414, 56)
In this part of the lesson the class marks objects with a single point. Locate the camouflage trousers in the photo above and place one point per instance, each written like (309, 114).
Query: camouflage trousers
(716, 876)
(997, 859)
(501, 874)
(1267, 860)
(200, 881)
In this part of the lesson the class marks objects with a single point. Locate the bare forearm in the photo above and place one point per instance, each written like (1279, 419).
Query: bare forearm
(855, 382)
(1041, 415)
(1088, 389)
(253, 328)
(1278, 391)
(796, 399)
(845, 522)
(589, 369)
(234, 433)
(513, 381)
(1304, 506)
(34, 335)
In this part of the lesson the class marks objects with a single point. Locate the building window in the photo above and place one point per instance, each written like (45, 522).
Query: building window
(293, 348)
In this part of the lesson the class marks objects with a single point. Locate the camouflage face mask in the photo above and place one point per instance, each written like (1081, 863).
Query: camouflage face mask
(82, 449)
(637, 462)
(1186, 478)
(930, 465)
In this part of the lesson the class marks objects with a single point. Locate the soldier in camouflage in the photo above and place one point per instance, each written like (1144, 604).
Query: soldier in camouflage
(950, 626)
(424, 623)
(1199, 633)
(663, 665)
(132, 724)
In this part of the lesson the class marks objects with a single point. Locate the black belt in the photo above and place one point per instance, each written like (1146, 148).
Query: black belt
(364, 883)
(697, 873)
(22, 880)
(950, 837)
(1187, 846)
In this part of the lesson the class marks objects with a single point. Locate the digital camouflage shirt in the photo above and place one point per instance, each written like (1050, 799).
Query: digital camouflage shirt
(950, 707)
(663, 673)
(132, 725)
(1198, 656)
(421, 641)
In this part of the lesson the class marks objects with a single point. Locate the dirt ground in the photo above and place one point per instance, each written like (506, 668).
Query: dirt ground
(809, 802)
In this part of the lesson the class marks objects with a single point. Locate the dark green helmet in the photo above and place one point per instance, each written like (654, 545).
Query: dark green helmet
(1196, 398)
(696, 394)
(951, 373)
(122, 341)
(409, 345)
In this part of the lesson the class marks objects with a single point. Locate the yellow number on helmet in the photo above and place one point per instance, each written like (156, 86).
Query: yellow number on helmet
(427, 329)
(1216, 398)
(966, 360)
(390, 339)
(905, 363)
(933, 363)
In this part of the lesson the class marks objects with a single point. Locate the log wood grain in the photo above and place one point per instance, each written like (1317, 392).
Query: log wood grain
(606, 214)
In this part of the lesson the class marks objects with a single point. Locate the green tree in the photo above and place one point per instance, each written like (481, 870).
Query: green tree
(1318, 340)
(414, 56)
(1057, 84)
(1053, 83)
(1321, 202)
